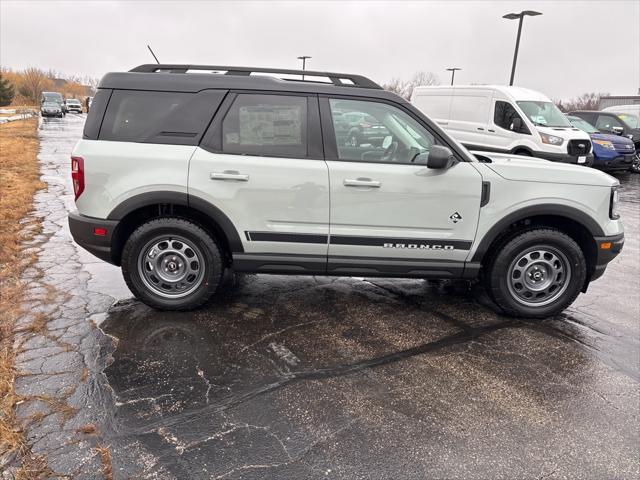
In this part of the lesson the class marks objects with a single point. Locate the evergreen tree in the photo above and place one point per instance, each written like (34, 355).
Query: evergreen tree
(7, 92)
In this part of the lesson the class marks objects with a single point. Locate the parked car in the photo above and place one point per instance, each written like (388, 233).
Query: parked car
(73, 105)
(629, 113)
(610, 122)
(51, 109)
(610, 152)
(506, 120)
(179, 176)
(54, 97)
(359, 129)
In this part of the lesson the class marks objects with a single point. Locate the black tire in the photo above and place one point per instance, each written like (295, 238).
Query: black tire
(503, 273)
(183, 233)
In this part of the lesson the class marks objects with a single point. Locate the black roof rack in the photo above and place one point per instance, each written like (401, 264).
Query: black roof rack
(339, 79)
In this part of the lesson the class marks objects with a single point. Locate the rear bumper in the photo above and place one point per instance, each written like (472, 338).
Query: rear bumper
(564, 158)
(83, 232)
(605, 255)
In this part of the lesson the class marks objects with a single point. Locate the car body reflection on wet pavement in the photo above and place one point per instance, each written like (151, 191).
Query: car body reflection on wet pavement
(309, 377)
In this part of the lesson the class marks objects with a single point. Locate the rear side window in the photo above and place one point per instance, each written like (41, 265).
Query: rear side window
(266, 125)
(504, 115)
(96, 113)
(159, 117)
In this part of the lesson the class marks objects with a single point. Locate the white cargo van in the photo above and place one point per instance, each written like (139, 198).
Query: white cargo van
(505, 119)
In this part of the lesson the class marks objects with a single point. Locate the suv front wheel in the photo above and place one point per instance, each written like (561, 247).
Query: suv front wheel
(172, 264)
(536, 274)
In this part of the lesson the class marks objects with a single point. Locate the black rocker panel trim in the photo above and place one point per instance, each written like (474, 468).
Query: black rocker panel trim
(349, 266)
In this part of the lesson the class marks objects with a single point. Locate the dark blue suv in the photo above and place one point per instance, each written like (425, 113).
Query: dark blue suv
(610, 152)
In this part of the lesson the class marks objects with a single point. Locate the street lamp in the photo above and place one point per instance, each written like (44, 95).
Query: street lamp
(304, 63)
(453, 72)
(513, 16)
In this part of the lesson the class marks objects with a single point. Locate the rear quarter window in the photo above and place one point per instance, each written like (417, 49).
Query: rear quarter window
(176, 118)
(96, 113)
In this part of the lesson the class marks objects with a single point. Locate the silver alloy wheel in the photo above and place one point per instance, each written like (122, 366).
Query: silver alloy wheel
(171, 266)
(538, 276)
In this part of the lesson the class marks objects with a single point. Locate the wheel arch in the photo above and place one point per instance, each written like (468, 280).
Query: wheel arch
(140, 208)
(581, 227)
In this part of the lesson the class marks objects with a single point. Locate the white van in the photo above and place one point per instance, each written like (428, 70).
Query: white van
(505, 119)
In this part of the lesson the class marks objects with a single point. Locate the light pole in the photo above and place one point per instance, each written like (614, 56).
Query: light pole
(304, 63)
(453, 72)
(520, 16)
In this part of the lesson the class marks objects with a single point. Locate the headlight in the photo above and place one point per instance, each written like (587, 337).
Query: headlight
(605, 143)
(613, 208)
(551, 139)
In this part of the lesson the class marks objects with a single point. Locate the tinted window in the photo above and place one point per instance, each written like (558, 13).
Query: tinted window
(387, 134)
(266, 125)
(158, 117)
(96, 112)
(606, 123)
(504, 115)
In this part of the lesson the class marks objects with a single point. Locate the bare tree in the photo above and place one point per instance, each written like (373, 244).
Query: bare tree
(396, 86)
(586, 101)
(405, 88)
(33, 82)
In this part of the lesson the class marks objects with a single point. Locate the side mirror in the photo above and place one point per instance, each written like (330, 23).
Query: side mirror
(439, 157)
(516, 124)
(617, 130)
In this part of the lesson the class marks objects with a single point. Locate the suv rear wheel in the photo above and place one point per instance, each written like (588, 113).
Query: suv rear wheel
(172, 264)
(536, 274)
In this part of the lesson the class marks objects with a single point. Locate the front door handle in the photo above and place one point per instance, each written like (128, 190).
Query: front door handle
(361, 182)
(229, 175)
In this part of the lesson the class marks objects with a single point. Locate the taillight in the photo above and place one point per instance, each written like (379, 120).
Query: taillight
(77, 175)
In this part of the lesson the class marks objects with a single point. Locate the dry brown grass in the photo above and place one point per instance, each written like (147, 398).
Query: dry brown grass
(105, 459)
(19, 180)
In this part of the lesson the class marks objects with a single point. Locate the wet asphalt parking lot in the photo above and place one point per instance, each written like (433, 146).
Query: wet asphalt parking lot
(316, 378)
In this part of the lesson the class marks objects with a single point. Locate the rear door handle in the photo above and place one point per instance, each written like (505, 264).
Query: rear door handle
(229, 175)
(361, 182)
(480, 128)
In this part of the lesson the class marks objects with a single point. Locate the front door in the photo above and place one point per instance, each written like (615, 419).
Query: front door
(261, 165)
(390, 214)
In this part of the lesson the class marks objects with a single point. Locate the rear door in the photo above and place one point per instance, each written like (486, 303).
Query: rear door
(261, 165)
(390, 214)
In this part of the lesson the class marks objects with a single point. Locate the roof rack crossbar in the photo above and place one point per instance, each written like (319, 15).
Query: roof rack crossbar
(335, 78)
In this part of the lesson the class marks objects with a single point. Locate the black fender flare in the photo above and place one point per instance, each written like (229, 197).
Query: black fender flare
(550, 209)
(183, 199)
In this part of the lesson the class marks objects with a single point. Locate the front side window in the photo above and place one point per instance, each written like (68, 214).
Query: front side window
(607, 123)
(505, 116)
(266, 125)
(377, 132)
(544, 114)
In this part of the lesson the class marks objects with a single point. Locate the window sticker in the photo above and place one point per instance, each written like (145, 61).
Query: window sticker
(270, 125)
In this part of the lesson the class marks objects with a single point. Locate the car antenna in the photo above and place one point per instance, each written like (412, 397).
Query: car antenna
(154, 55)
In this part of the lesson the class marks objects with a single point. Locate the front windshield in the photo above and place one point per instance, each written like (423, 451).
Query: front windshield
(75, 102)
(544, 114)
(632, 120)
(50, 104)
(583, 125)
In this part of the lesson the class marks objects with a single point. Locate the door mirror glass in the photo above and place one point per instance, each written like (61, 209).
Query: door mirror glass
(386, 142)
(516, 124)
(439, 157)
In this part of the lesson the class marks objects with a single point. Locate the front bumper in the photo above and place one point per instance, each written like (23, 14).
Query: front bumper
(83, 232)
(605, 255)
(622, 162)
(564, 158)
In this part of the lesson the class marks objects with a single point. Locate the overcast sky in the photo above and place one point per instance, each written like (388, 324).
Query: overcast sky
(574, 47)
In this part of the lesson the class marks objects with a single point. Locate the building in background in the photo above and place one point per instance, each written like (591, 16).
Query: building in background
(613, 100)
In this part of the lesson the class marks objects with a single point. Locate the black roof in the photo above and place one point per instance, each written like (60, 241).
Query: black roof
(186, 78)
